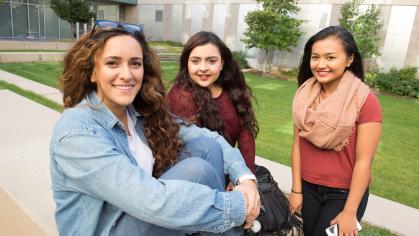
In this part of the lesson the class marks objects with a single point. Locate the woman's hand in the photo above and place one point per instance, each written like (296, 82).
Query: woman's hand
(252, 198)
(346, 222)
(230, 187)
(296, 202)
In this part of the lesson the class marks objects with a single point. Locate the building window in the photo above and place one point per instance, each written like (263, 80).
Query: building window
(159, 15)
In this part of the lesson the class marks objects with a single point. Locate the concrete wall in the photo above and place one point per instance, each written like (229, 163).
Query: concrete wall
(226, 19)
(34, 45)
(412, 56)
(9, 57)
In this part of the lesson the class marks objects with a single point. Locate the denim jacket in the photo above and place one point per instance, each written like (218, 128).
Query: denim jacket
(95, 178)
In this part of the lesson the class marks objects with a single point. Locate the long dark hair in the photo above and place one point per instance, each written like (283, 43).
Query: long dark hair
(349, 44)
(161, 130)
(231, 80)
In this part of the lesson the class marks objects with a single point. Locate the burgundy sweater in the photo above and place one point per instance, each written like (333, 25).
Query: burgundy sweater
(181, 103)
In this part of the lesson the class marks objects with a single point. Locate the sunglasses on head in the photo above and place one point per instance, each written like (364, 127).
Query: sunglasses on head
(107, 24)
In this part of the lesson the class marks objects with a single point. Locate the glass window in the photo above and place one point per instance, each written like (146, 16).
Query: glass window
(159, 15)
(108, 12)
(51, 23)
(5, 19)
(122, 13)
(36, 2)
(20, 20)
(6, 25)
(19, 1)
(65, 29)
(41, 22)
(33, 22)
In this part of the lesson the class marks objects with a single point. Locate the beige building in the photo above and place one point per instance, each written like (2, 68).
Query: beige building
(177, 20)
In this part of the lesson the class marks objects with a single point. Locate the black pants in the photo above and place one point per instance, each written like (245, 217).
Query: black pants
(322, 204)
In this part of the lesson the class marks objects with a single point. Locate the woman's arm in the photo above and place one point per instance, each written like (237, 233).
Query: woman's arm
(296, 196)
(246, 144)
(368, 135)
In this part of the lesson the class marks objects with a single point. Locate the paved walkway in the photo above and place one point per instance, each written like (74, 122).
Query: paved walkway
(19, 113)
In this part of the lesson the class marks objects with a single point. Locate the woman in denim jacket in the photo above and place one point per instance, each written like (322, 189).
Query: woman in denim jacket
(122, 165)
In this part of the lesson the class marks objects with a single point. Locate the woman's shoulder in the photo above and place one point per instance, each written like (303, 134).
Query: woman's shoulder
(180, 91)
(179, 95)
(371, 109)
(76, 118)
(371, 100)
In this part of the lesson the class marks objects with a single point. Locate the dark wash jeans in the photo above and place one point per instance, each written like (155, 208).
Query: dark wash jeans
(322, 204)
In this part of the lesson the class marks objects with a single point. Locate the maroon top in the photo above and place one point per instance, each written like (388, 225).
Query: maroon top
(181, 103)
(331, 168)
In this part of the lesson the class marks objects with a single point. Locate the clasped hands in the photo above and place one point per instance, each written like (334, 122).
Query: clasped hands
(252, 199)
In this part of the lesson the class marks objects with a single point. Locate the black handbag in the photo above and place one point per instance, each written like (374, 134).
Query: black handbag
(275, 217)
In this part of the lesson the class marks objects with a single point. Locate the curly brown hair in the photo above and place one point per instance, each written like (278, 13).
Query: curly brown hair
(231, 80)
(161, 129)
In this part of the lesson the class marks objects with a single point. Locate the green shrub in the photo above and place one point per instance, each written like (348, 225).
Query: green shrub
(401, 82)
(240, 57)
(371, 79)
(291, 73)
(168, 43)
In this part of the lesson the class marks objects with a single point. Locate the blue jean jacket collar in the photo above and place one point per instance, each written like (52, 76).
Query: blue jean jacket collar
(102, 110)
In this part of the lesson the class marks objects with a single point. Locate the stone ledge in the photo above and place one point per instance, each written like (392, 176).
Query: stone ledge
(10, 57)
(14, 220)
(26, 203)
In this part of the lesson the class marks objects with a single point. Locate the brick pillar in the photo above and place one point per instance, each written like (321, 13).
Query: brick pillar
(412, 55)
(230, 29)
(167, 21)
(207, 19)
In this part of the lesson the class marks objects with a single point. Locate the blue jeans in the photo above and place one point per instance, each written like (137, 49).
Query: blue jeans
(201, 162)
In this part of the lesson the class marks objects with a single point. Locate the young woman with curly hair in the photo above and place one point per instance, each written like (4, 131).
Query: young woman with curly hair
(122, 165)
(210, 91)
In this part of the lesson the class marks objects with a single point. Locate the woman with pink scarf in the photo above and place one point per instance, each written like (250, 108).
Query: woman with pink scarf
(337, 126)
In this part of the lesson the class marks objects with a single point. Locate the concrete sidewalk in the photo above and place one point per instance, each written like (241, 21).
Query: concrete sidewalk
(52, 94)
(26, 128)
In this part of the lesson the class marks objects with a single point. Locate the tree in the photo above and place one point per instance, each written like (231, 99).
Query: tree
(73, 11)
(364, 27)
(272, 27)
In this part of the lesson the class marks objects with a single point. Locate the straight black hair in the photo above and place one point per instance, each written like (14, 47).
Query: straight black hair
(349, 44)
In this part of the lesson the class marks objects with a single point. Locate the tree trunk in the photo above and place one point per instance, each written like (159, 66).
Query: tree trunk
(265, 61)
(73, 28)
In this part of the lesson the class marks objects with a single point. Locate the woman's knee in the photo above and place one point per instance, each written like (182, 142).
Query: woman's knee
(204, 144)
(195, 170)
(207, 149)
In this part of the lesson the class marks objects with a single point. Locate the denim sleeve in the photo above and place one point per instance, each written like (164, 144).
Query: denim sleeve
(234, 164)
(92, 165)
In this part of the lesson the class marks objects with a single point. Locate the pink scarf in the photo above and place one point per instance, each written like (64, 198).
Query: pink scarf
(329, 124)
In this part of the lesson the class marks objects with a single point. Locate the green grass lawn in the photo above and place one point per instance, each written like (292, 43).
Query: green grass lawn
(395, 174)
(43, 72)
(171, 47)
(368, 230)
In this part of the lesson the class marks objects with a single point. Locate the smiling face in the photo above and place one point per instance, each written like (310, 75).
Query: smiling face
(119, 72)
(329, 60)
(205, 64)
